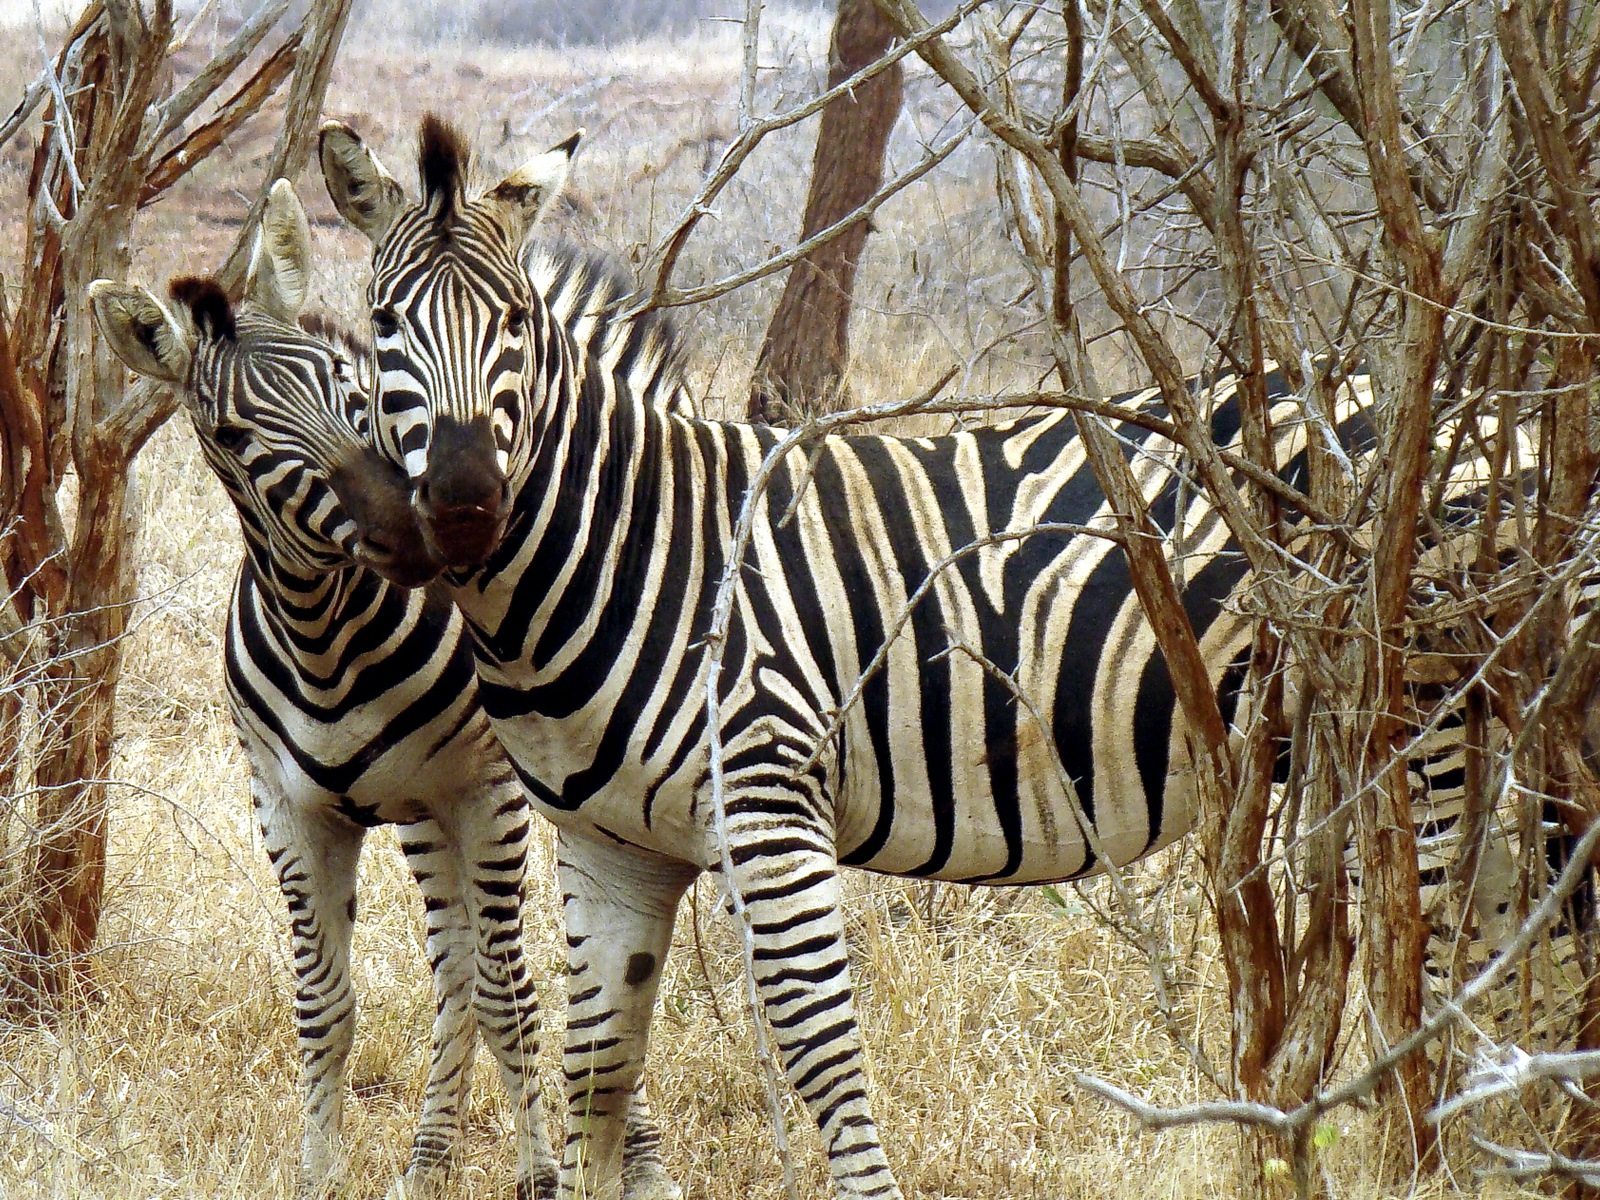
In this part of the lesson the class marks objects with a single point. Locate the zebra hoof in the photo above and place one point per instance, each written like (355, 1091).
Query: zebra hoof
(649, 1181)
(422, 1181)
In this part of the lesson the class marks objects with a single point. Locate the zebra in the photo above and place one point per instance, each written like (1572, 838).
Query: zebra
(583, 531)
(353, 696)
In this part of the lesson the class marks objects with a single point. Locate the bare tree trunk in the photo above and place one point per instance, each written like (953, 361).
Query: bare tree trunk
(90, 601)
(801, 367)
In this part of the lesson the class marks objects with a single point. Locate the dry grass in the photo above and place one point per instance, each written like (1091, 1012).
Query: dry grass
(977, 1007)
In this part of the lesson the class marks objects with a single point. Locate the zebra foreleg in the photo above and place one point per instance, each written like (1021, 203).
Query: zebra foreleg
(315, 860)
(492, 840)
(644, 1175)
(619, 909)
(787, 874)
(436, 866)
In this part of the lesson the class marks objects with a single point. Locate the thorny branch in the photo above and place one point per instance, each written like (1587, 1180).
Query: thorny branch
(1281, 1121)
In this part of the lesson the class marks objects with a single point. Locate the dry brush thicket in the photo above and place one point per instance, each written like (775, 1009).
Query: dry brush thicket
(1406, 190)
(1297, 197)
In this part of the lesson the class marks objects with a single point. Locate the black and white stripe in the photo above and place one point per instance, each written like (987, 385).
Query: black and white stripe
(586, 532)
(355, 699)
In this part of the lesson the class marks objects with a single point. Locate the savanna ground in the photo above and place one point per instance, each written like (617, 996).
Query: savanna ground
(978, 1007)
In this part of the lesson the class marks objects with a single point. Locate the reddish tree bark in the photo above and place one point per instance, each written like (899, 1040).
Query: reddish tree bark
(801, 367)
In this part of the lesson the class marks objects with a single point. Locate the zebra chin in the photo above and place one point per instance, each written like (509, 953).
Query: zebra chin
(462, 538)
(408, 567)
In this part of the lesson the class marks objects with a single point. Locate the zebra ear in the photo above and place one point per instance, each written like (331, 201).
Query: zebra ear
(140, 330)
(280, 265)
(365, 194)
(525, 195)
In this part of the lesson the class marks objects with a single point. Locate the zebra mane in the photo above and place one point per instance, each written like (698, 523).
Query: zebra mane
(330, 329)
(558, 265)
(356, 346)
(208, 305)
(443, 156)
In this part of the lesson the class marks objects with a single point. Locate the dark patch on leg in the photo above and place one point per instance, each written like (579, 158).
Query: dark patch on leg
(640, 967)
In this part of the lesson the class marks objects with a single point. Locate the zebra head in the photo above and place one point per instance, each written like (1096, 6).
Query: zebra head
(280, 408)
(462, 336)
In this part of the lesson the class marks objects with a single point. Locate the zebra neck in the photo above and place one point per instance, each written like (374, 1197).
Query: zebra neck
(589, 495)
(308, 611)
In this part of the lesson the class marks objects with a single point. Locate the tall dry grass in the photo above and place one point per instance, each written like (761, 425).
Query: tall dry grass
(978, 1007)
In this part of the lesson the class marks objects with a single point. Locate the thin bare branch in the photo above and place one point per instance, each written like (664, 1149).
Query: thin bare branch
(1285, 1122)
(66, 140)
(183, 103)
(1548, 122)
(1512, 1070)
(673, 297)
(752, 63)
(1238, 1112)
(18, 117)
(1532, 1164)
(658, 269)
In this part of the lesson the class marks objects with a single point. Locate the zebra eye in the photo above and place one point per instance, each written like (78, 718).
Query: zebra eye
(384, 323)
(231, 438)
(516, 320)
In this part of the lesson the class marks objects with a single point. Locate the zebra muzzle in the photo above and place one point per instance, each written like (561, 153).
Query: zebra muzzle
(389, 536)
(464, 499)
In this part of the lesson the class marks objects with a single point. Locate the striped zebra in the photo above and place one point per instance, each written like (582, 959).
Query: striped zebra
(585, 532)
(354, 698)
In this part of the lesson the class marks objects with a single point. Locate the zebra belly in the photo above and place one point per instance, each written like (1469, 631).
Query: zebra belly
(984, 791)
(969, 837)
(669, 812)
(639, 806)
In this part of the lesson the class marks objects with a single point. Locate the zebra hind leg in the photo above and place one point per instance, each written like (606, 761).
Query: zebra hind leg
(619, 909)
(436, 866)
(787, 873)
